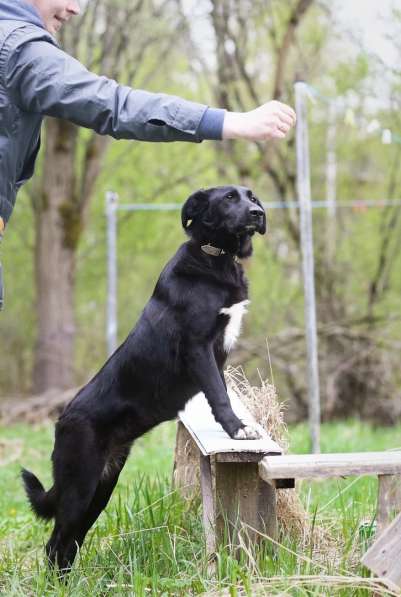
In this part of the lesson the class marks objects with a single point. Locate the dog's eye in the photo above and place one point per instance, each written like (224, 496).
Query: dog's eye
(253, 199)
(230, 196)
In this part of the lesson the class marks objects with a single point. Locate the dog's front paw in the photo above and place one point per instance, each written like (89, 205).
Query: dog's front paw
(247, 432)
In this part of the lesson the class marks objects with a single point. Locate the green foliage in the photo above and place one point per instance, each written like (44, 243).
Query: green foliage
(350, 73)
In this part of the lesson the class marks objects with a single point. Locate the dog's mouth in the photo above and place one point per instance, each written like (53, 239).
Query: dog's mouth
(250, 228)
(255, 225)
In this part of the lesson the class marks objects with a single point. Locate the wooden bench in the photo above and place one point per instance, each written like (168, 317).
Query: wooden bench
(282, 472)
(247, 473)
(383, 557)
(231, 487)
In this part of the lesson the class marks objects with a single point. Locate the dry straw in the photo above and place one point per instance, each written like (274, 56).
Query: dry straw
(294, 520)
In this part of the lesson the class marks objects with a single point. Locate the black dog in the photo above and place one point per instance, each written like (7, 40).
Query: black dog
(178, 347)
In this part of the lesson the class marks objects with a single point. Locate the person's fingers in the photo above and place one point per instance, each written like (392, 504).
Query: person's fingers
(284, 131)
(276, 133)
(288, 109)
(279, 134)
(285, 109)
(285, 119)
(283, 125)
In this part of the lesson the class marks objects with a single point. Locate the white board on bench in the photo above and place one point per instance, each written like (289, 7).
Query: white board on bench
(210, 436)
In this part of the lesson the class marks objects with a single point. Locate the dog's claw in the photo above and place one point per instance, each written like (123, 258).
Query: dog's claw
(247, 432)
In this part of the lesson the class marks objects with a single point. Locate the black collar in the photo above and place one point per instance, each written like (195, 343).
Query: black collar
(217, 252)
(211, 250)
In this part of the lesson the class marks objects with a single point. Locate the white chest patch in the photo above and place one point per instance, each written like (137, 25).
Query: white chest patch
(233, 328)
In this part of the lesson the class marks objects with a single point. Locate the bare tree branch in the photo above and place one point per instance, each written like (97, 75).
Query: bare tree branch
(286, 44)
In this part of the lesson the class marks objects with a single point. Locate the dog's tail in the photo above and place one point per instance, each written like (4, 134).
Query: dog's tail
(42, 502)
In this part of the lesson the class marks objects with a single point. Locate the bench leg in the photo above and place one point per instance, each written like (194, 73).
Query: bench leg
(242, 497)
(186, 458)
(388, 500)
(208, 509)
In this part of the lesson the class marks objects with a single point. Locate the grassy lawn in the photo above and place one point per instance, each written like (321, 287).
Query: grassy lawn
(149, 541)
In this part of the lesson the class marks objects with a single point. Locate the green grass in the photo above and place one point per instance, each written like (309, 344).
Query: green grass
(149, 541)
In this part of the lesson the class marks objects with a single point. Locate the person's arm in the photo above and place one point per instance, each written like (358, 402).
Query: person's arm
(44, 79)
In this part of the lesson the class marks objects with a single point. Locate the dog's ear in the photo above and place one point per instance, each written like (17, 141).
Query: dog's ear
(194, 206)
(263, 226)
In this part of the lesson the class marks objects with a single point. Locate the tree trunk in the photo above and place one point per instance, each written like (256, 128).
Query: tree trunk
(57, 231)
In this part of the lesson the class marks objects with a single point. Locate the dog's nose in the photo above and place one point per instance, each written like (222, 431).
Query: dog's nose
(256, 211)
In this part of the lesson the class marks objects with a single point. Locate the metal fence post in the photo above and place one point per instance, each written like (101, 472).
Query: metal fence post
(305, 206)
(111, 318)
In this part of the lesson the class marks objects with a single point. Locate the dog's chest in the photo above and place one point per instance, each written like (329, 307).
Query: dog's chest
(233, 327)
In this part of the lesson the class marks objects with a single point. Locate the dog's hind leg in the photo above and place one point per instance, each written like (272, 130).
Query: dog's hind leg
(78, 465)
(103, 493)
(63, 543)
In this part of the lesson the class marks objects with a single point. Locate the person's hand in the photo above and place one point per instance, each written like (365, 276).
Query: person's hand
(270, 121)
(2, 226)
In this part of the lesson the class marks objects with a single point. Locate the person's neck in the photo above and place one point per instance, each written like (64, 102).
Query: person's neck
(35, 6)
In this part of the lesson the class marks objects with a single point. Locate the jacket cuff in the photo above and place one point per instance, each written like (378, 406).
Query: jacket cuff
(211, 125)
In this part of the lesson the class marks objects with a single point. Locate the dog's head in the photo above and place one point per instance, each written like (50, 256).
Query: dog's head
(226, 217)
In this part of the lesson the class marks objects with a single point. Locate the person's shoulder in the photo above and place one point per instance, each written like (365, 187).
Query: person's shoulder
(31, 32)
(22, 33)
(24, 43)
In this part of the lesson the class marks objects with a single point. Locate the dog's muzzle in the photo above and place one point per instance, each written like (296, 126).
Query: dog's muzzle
(256, 220)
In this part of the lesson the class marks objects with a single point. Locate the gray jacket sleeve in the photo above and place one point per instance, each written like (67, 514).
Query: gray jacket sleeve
(46, 80)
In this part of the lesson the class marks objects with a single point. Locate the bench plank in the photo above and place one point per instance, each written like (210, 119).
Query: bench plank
(309, 466)
(212, 439)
